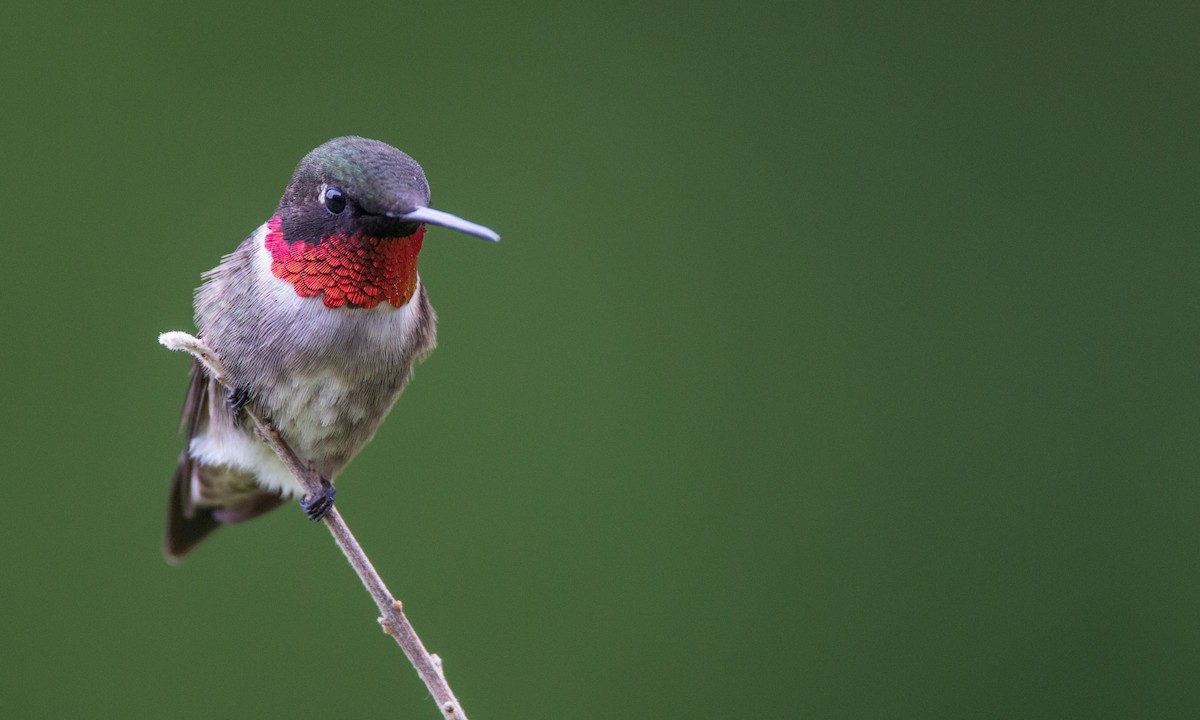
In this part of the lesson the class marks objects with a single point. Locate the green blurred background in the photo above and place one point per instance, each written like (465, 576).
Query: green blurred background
(838, 360)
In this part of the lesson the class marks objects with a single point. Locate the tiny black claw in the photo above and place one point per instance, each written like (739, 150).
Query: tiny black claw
(237, 398)
(316, 508)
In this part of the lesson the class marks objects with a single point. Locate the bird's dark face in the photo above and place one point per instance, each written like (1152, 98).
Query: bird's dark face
(351, 224)
(351, 186)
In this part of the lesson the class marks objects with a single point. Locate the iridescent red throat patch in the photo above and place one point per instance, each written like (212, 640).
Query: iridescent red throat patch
(357, 270)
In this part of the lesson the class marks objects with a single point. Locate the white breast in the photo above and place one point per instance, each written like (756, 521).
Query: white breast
(326, 376)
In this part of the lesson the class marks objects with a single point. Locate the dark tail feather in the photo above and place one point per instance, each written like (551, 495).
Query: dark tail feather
(186, 525)
(232, 497)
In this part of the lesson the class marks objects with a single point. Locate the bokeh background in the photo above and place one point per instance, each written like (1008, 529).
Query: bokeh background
(838, 360)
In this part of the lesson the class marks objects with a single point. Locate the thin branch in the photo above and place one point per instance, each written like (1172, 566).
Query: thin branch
(393, 619)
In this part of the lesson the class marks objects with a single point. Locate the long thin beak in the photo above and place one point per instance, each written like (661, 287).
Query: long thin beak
(445, 219)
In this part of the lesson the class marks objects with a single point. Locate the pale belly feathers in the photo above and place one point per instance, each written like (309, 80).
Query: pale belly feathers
(326, 376)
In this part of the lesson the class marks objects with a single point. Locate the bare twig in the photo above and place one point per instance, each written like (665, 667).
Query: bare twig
(393, 619)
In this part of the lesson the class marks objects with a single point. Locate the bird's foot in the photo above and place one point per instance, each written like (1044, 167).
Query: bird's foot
(237, 398)
(316, 507)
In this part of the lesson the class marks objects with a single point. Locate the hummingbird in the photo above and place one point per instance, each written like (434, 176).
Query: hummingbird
(318, 318)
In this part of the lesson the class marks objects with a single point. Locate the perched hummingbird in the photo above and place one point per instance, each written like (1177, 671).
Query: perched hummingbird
(318, 317)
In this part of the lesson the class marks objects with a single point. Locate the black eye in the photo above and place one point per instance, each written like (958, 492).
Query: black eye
(335, 201)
